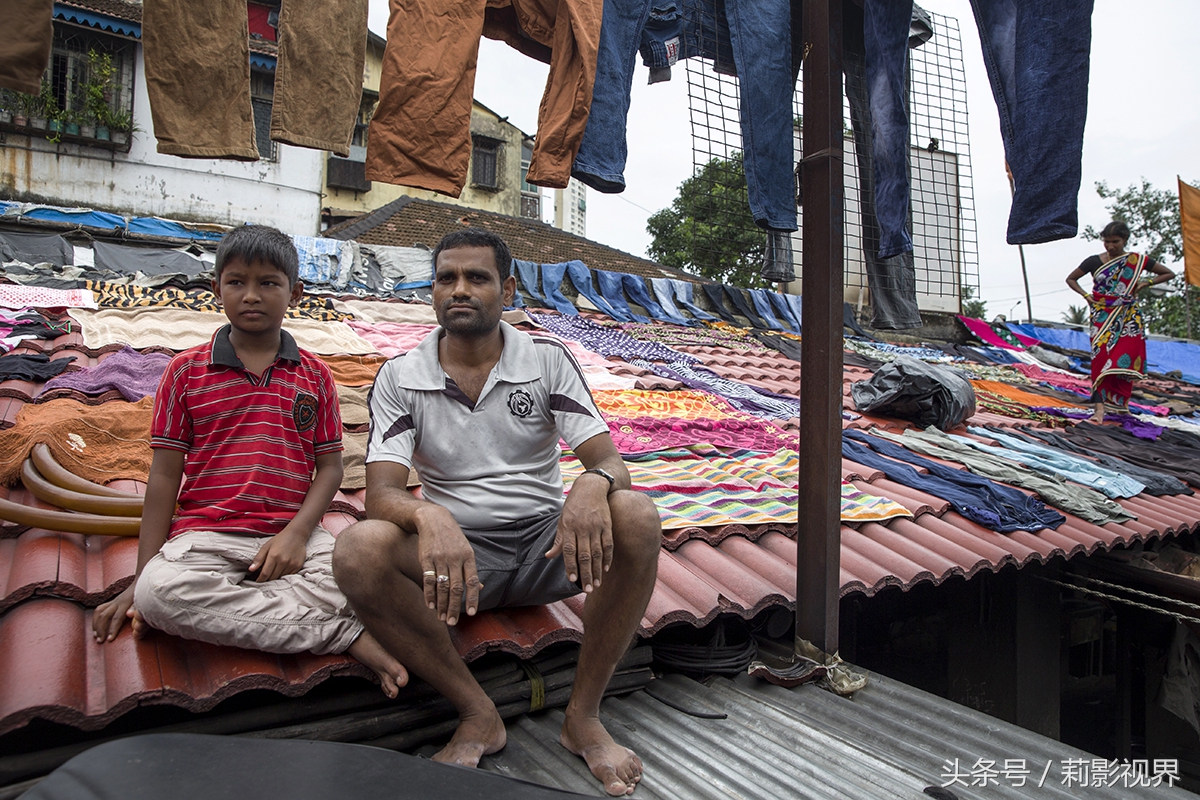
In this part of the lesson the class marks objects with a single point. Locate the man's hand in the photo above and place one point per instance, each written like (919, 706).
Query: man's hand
(584, 535)
(282, 554)
(109, 617)
(450, 581)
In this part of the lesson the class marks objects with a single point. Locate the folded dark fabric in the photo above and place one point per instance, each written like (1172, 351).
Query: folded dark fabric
(32, 367)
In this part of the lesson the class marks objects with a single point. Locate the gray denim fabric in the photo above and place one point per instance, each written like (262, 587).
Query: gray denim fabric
(198, 76)
(1085, 503)
(28, 36)
(1080, 470)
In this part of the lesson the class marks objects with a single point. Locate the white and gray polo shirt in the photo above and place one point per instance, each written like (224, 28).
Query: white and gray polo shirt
(494, 461)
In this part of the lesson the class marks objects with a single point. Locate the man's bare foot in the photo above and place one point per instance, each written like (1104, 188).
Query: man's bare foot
(477, 735)
(617, 767)
(370, 652)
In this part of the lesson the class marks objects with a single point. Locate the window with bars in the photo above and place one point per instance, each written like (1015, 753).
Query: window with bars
(485, 162)
(262, 97)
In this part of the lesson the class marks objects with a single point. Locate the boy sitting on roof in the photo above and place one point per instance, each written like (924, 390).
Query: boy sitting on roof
(478, 407)
(243, 422)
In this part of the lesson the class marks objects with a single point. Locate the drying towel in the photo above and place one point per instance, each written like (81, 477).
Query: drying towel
(97, 443)
(133, 374)
(14, 295)
(179, 329)
(354, 460)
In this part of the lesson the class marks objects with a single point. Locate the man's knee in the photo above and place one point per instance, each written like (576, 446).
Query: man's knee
(637, 528)
(362, 549)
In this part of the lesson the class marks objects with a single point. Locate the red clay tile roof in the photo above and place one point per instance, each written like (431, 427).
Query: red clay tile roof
(407, 221)
(50, 668)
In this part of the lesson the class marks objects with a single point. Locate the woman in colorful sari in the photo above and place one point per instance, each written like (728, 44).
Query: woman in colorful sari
(1118, 335)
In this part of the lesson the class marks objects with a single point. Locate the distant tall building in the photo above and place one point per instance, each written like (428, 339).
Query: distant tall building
(570, 208)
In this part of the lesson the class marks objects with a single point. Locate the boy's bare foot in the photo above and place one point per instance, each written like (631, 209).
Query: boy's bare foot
(136, 624)
(392, 674)
(617, 767)
(477, 735)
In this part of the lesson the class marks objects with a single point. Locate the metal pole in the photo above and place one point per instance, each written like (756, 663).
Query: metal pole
(818, 541)
(1012, 191)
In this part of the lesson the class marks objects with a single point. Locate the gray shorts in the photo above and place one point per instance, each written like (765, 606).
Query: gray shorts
(511, 562)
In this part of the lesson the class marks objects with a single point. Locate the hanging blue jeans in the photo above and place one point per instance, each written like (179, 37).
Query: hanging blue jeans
(552, 276)
(609, 284)
(787, 314)
(527, 272)
(684, 294)
(1037, 54)
(635, 287)
(762, 304)
(663, 293)
(753, 37)
(581, 276)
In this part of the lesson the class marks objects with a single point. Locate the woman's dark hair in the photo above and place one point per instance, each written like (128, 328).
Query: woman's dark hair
(253, 243)
(1116, 228)
(477, 237)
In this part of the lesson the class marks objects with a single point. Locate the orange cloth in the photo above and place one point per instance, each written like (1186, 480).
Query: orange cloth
(420, 134)
(1189, 218)
(97, 443)
(1020, 396)
(353, 370)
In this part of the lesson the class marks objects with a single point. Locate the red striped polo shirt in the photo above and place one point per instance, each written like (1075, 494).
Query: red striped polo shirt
(251, 442)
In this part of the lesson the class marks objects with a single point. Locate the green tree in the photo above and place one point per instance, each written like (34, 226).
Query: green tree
(708, 229)
(1153, 219)
(972, 307)
(1076, 315)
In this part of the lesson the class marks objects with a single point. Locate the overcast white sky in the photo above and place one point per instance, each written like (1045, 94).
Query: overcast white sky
(1143, 120)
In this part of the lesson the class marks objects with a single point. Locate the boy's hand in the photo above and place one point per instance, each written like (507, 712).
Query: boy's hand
(109, 617)
(282, 554)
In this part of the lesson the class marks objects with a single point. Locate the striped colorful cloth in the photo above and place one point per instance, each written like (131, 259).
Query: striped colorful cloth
(753, 489)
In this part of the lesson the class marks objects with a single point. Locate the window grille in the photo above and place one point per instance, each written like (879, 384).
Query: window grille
(485, 172)
(942, 207)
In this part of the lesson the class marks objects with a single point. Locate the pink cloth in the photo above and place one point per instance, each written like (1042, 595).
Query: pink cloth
(982, 331)
(14, 295)
(391, 338)
(645, 434)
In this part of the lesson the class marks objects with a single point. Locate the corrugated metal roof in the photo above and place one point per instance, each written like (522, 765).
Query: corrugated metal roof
(889, 741)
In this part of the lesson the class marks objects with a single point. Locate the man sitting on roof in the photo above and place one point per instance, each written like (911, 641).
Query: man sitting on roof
(478, 408)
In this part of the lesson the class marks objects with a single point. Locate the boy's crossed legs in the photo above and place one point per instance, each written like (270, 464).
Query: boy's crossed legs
(197, 587)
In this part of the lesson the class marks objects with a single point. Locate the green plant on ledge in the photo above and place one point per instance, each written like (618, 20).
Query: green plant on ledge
(98, 89)
(47, 102)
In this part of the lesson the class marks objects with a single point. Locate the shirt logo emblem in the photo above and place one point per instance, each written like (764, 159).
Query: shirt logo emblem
(304, 412)
(520, 403)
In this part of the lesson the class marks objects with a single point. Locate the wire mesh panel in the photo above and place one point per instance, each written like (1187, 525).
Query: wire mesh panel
(720, 241)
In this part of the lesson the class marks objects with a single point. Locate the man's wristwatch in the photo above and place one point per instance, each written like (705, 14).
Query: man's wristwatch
(612, 482)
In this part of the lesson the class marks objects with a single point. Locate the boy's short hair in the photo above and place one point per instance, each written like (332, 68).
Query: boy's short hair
(253, 243)
(477, 237)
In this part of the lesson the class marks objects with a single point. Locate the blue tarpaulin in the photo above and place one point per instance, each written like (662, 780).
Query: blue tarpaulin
(104, 220)
(1163, 357)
